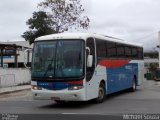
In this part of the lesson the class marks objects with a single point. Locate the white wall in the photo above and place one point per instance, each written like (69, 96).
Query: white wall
(14, 76)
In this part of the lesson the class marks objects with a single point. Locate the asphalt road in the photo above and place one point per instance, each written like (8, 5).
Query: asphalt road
(146, 100)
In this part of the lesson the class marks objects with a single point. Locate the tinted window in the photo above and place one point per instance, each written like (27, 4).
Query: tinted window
(90, 44)
(134, 52)
(58, 59)
(101, 48)
(128, 52)
(140, 53)
(90, 70)
(120, 50)
(111, 49)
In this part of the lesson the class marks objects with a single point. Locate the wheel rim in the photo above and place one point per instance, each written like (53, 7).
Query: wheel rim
(101, 93)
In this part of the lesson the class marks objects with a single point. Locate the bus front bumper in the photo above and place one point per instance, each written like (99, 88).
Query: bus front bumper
(66, 95)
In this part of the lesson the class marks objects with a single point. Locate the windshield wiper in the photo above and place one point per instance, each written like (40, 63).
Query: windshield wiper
(49, 68)
(50, 65)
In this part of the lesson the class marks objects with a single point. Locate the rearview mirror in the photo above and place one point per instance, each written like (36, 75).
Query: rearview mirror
(89, 60)
(26, 58)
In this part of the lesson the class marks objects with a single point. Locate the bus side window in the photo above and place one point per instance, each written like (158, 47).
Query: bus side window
(140, 53)
(111, 49)
(128, 52)
(134, 52)
(90, 70)
(120, 50)
(101, 49)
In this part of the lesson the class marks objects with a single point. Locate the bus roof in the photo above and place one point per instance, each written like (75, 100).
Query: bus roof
(84, 36)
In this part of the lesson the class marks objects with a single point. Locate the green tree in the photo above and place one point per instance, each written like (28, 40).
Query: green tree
(56, 16)
(65, 14)
(40, 24)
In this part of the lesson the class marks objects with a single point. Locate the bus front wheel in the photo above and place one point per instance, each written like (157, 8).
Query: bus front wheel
(101, 93)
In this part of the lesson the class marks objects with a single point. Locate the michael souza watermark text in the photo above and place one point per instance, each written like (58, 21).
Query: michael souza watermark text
(141, 117)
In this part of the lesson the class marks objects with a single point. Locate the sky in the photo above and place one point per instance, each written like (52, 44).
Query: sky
(132, 20)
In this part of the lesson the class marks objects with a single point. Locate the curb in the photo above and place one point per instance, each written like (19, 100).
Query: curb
(14, 89)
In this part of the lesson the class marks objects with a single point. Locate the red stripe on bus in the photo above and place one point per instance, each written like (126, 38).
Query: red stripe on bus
(113, 63)
(76, 82)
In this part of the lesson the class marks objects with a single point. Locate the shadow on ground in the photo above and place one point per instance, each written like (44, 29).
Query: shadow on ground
(84, 104)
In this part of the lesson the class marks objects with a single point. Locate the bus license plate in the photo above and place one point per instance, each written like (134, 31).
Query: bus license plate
(55, 98)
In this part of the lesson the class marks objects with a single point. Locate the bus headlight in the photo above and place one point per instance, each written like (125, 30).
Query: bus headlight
(75, 87)
(35, 87)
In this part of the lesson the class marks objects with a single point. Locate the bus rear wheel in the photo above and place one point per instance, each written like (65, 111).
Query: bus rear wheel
(101, 93)
(134, 85)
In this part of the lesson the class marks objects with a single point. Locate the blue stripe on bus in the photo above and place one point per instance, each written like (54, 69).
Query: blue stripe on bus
(53, 85)
(121, 78)
(59, 85)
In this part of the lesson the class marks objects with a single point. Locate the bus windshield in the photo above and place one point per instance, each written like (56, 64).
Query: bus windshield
(58, 59)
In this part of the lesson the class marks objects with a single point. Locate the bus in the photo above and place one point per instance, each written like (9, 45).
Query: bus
(84, 66)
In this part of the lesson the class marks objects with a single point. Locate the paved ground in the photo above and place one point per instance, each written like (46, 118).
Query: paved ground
(145, 100)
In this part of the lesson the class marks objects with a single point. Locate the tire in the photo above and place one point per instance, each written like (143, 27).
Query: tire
(134, 85)
(101, 93)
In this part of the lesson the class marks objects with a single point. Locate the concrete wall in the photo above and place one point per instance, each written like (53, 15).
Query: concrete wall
(14, 76)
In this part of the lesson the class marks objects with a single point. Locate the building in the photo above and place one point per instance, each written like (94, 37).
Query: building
(12, 53)
(150, 58)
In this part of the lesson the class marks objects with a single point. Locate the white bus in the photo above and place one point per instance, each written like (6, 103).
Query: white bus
(83, 66)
